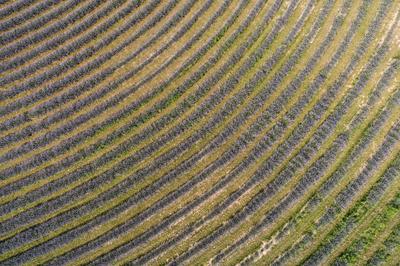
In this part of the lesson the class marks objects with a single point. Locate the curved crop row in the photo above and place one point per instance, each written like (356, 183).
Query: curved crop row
(199, 132)
(273, 161)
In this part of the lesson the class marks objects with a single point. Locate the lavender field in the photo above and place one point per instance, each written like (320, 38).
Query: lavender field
(184, 132)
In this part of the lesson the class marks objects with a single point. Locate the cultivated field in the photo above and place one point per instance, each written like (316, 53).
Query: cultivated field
(187, 132)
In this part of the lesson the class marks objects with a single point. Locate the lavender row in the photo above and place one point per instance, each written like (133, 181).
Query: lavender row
(10, 50)
(129, 143)
(64, 50)
(265, 169)
(38, 21)
(152, 230)
(363, 143)
(68, 49)
(105, 176)
(372, 197)
(299, 162)
(26, 15)
(254, 154)
(69, 126)
(14, 7)
(171, 197)
(342, 200)
(73, 93)
(315, 200)
(367, 137)
(389, 245)
(51, 186)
